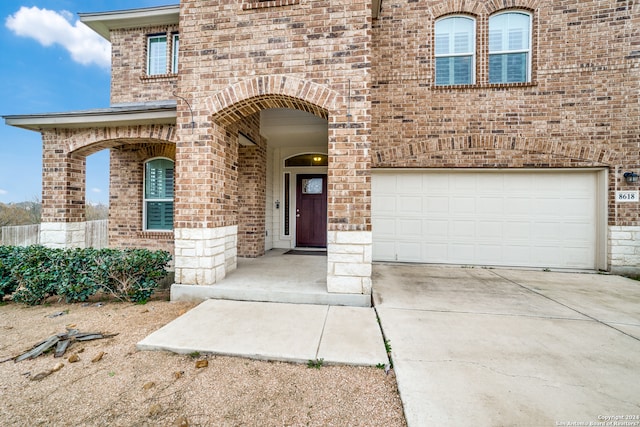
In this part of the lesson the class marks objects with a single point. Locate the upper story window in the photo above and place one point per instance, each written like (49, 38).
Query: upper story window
(510, 47)
(174, 53)
(158, 54)
(158, 194)
(455, 50)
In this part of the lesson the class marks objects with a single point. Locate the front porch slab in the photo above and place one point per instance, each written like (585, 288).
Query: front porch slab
(274, 277)
(271, 331)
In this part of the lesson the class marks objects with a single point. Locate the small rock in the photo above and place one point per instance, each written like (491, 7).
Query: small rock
(58, 366)
(149, 385)
(155, 409)
(40, 376)
(98, 357)
(80, 350)
(144, 311)
(56, 314)
(74, 358)
(202, 363)
(181, 422)
(178, 374)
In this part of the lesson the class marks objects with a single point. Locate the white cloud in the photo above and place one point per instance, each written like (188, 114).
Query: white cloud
(96, 190)
(3, 192)
(49, 27)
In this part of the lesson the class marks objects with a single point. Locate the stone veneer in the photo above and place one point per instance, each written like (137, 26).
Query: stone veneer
(349, 262)
(624, 252)
(63, 234)
(204, 256)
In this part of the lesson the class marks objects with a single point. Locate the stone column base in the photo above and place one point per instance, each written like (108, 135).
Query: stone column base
(624, 250)
(204, 256)
(63, 234)
(349, 260)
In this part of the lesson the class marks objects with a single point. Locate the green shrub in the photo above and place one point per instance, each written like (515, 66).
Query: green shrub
(9, 256)
(34, 273)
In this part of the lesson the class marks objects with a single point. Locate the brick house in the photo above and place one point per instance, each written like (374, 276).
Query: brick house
(486, 132)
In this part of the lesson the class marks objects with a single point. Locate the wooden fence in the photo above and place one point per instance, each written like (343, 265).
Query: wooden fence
(25, 235)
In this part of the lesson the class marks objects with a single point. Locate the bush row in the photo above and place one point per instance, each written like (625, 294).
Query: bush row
(34, 273)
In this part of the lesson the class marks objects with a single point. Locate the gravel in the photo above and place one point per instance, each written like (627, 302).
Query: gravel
(127, 387)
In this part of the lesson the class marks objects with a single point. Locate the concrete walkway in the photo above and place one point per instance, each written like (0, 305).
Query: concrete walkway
(275, 331)
(486, 347)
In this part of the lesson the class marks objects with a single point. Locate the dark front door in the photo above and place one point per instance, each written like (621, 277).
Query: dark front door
(311, 211)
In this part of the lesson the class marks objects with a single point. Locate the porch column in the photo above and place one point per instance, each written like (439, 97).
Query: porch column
(63, 194)
(205, 212)
(349, 239)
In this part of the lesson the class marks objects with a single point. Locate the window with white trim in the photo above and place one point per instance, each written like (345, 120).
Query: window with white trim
(174, 53)
(510, 47)
(158, 194)
(158, 55)
(455, 50)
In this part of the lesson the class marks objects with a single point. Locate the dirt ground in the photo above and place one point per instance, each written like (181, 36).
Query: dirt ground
(127, 387)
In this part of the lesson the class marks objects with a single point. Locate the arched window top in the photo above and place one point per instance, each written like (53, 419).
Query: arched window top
(455, 47)
(158, 194)
(307, 159)
(510, 47)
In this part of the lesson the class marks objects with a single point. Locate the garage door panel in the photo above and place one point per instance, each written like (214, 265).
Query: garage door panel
(409, 251)
(490, 206)
(410, 205)
(409, 229)
(435, 228)
(524, 218)
(517, 230)
(384, 204)
(490, 230)
(462, 205)
(385, 227)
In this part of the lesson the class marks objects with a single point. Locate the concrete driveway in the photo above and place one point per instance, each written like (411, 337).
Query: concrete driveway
(496, 347)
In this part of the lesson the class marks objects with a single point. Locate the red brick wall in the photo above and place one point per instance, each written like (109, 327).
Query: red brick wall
(126, 192)
(129, 80)
(252, 186)
(239, 58)
(580, 110)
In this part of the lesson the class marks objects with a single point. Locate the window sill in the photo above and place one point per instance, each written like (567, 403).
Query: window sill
(485, 86)
(158, 77)
(156, 234)
(265, 4)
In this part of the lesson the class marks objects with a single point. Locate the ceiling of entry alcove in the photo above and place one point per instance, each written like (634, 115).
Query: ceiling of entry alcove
(285, 127)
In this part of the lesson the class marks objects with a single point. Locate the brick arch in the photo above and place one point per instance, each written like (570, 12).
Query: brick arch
(88, 141)
(493, 151)
(480, 7)
(252, 95)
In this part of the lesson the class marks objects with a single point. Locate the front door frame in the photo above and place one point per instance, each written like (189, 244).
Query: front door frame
(311, 230)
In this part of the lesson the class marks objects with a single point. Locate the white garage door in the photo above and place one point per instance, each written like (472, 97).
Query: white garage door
(527, 219)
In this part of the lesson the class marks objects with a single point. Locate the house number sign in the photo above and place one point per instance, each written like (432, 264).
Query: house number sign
(627, 196)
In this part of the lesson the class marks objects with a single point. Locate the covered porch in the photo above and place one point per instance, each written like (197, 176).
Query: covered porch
(280, 275)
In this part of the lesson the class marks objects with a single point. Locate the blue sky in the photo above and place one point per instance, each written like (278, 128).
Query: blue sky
(50, 63)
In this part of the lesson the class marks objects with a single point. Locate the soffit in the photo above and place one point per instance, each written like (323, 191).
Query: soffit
(103, 22)
(163, 112)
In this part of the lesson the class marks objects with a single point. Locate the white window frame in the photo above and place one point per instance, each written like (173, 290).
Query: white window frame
(146, 200)
(175, 48)
(151, 69)
(515, 51)
(472, 53)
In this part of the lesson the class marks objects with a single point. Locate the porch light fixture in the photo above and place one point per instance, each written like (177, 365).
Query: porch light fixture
(317, 159)
(631, 177)
(245, 141)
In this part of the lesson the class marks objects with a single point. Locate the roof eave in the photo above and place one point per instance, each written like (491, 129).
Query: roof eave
(40, 122)
(103, 22)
